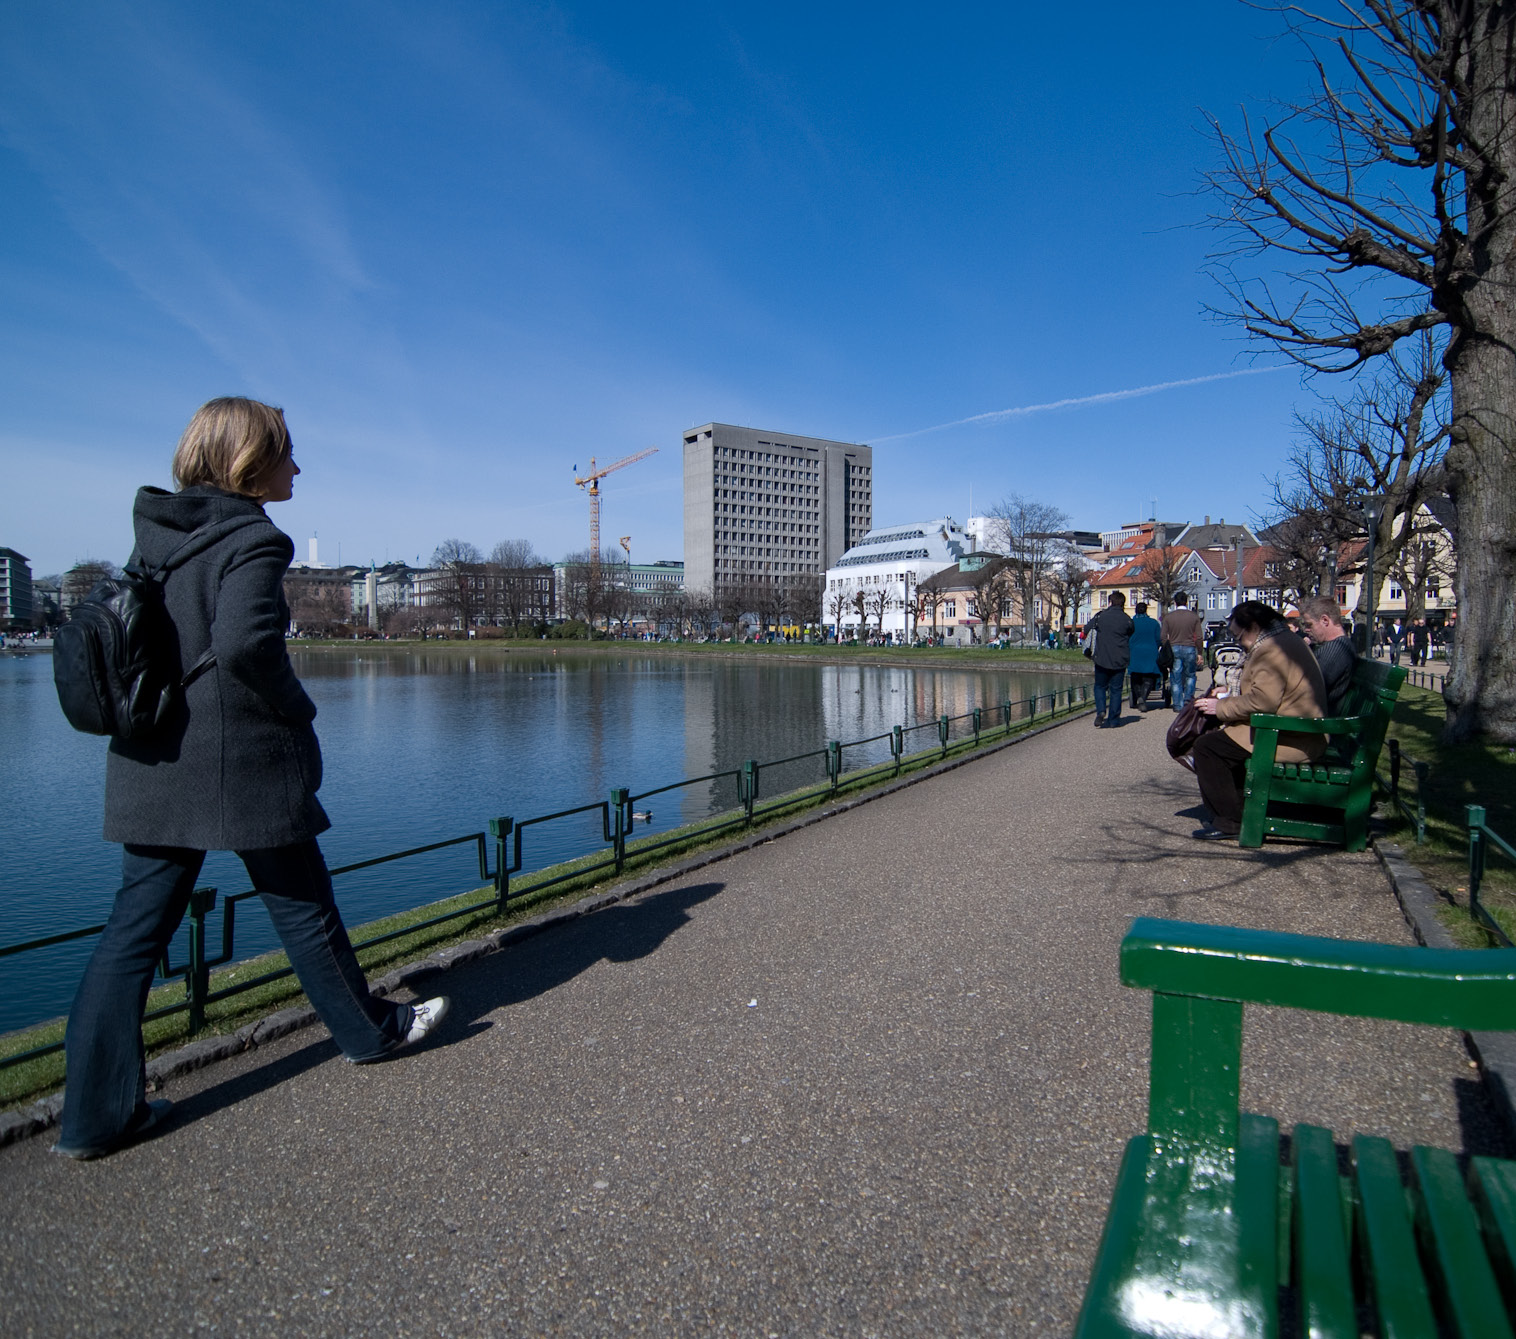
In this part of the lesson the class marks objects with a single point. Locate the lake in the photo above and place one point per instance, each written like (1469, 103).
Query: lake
(420, 745)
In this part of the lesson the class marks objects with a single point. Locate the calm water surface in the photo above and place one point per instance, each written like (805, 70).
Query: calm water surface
(420, 746)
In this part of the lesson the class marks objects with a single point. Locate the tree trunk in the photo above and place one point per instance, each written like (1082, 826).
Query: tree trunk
(1481, 460)
(1481, 687)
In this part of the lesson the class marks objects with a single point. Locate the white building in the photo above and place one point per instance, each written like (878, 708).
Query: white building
(888, 564)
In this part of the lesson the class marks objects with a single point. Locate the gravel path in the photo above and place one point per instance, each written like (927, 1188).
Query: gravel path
(869, 1079)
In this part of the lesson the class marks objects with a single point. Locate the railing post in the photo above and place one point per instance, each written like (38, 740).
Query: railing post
(1420, 768)
(1005, 713)
(500, 830)
(618, 828)
(944, 727)
(977, 723)
(749, 787)
(1476, 855)
(834, 761)
(897, 746)
(197, 978)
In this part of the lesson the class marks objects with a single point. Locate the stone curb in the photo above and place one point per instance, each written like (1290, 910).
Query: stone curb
(1493, 1052)
(24, 1122)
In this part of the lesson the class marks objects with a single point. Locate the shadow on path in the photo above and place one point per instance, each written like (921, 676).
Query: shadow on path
(622, 933)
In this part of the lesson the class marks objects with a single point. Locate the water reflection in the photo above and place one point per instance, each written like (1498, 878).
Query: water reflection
(425, 744)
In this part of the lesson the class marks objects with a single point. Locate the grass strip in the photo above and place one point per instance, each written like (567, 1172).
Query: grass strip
(530, 895)
(1476, 772)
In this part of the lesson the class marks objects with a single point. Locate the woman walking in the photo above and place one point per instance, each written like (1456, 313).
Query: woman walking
(236, 769)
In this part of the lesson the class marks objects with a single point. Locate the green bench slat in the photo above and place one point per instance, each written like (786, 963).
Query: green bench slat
(1492, 1185)
(1320, 1267)
(1452, 1246)
(1389, 1244)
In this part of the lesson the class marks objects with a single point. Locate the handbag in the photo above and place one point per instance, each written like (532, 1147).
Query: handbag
(1188, 725)
(1165, 658)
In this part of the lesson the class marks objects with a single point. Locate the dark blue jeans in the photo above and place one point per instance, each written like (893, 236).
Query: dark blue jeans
(106, 1071)
(1108, 687)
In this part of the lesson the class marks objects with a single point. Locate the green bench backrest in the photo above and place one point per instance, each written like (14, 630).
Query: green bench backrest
(1375, 689)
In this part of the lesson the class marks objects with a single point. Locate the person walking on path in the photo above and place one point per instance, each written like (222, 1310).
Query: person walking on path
(1420, 641)
(1396, 639)
(1112, 631)
(1321, 622)
(235, 768)
(1280, 677)
(1184, 633)
(1144, 656)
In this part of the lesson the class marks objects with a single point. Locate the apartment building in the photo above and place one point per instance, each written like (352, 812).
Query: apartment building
(765, 508)
(15, 591)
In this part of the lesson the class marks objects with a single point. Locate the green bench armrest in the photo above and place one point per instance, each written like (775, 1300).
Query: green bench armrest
(1309, 725)
(1462, 988)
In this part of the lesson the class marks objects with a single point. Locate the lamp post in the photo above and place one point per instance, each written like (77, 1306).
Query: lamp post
(1371, 507)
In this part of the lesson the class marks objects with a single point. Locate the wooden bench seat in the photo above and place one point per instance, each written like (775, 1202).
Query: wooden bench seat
(1338, 787)
(1211, 1232)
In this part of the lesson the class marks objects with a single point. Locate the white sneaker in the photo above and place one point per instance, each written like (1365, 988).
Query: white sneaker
(428, 1014)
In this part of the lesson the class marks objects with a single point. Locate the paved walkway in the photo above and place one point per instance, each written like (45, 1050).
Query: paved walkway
(870, 1079)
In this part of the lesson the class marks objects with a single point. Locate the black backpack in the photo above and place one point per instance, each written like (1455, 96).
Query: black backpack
(114, 661)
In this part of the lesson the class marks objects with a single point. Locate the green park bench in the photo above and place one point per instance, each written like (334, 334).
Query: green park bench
(1210, 1233)
(1341, 781)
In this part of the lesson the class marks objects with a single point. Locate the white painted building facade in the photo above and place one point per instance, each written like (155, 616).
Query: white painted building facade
(891, 561)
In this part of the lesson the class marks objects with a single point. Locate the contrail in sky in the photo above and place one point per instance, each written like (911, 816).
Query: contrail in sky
(1104, 397)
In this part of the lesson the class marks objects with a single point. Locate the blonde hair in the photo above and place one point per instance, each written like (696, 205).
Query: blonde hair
(231, 443)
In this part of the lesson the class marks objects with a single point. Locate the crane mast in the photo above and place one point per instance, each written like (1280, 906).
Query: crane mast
(590, 482)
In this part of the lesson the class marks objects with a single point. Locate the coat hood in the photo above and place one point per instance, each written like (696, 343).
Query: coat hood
(161, 520)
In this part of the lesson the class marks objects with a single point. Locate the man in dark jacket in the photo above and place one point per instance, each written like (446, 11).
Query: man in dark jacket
(1321, 621)
(1112, 631)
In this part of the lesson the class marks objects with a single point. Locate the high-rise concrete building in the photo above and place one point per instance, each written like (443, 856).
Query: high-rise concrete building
(763, 508)
(15, 591)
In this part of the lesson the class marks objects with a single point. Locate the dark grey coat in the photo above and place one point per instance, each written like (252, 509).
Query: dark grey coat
(239, 768)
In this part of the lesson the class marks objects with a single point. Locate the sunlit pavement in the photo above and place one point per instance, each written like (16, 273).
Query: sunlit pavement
(872, 1078)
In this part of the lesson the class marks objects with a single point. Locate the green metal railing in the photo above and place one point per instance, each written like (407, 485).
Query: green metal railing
(1417, 812)
(1480, 837)
(618, 815)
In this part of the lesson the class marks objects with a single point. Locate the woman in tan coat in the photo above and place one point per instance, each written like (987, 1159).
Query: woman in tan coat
(1280, 677)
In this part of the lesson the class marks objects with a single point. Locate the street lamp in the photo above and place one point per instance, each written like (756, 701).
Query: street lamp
(1371, 508)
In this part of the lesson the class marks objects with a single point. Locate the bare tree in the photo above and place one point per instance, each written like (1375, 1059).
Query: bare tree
(1162, 573)
(1390, 195)
(318, 607)
(990, 584)
(83, 577)
(876, 600)
(929, 598)
(803, 595)
(838, 604)
(1422, 563)
(1068, 584)
(514, 590)
(1027, 533)
(1388, 440)
(457, 589)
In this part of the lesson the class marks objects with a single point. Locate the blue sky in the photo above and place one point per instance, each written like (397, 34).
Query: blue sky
(467, 245)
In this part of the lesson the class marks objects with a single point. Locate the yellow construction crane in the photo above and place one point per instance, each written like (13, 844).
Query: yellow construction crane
(590, 482)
